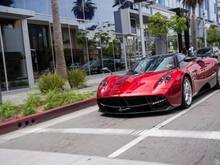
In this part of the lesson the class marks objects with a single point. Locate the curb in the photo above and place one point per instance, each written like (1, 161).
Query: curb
(44, 116)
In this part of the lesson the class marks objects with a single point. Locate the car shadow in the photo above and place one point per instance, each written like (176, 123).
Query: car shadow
(197, 98)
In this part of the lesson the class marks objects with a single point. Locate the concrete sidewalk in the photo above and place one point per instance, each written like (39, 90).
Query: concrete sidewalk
(22, 157)
(18, 96)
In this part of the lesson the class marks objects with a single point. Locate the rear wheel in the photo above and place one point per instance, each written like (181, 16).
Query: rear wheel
(217, 86)
(186, 93)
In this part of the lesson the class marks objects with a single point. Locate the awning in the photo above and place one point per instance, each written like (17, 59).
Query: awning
(15, 13)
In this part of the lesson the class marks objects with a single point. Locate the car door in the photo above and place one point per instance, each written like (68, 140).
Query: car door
(193, 69)
(210, 68)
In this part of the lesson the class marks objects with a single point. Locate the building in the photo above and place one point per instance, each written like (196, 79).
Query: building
(26, 40)
(127, 22)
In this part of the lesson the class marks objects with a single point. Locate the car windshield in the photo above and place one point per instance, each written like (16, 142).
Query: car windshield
(154, 64)
(204, 51)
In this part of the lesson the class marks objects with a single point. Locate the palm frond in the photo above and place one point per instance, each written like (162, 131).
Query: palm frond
(89, 9)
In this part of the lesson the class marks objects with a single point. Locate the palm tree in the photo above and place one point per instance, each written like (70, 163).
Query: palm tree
(84, 9)
(6, 2)
(123, 4)
(193, 4)
(58, 41)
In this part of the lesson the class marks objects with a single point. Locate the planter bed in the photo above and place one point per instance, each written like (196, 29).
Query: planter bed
(13, 124)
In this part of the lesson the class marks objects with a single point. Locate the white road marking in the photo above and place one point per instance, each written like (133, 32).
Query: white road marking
(209, 135)
(160, 125)
(26, 157)
(90, 131)
(38, 127)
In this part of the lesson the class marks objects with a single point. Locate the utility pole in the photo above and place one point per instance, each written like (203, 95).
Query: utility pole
(143, 49)
(204, 23)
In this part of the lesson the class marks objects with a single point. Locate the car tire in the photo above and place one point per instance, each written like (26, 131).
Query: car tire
(217, 86)
(186, 93)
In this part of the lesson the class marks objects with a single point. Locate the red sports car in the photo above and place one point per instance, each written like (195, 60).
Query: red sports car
(157, 83)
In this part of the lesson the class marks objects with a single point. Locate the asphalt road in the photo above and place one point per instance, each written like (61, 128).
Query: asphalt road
(86, 137)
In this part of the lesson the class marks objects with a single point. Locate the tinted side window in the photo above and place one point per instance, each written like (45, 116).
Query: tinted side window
(180, 58)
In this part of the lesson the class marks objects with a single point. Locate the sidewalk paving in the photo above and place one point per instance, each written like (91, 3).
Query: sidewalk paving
(22, 157)
(18, 96)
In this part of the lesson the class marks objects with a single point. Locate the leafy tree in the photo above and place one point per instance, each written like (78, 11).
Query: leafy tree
(213, 36)
(6, 2)
(82, 36)
(103, 38)
(193, 4)
(160, 25)
(84, 9)
(178, 24)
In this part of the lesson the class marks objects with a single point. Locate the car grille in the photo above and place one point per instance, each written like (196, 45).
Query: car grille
(140, 103)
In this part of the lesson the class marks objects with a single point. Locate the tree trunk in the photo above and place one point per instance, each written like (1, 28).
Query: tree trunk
(193, 29)
(161, 45)
(58, 41)
(180, 42)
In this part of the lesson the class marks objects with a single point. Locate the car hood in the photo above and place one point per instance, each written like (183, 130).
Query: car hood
(132, 84)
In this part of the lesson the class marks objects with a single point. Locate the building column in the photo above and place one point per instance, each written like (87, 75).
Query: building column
(3, 60)
(71, 46)
(124, 52)
(27, 52)
(143, 49)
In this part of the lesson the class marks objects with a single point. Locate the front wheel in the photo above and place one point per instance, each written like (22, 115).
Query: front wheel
(186, 93)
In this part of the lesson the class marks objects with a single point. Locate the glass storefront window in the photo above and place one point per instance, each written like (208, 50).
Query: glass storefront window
(66, 46)
(42, 58)
(2, 74)
(13, 46)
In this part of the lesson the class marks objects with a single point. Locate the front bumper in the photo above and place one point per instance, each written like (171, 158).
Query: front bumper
(133, 105)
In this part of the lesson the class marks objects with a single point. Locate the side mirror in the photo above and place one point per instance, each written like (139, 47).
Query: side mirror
(106, 69)
(189, 59)
(215, 56)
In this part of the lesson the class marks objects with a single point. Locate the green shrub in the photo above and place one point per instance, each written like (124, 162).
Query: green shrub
(77, 78)
(34, 100)
(55, 98)
(49, 82)
(28, 109)
(31, 104)
(7, 110)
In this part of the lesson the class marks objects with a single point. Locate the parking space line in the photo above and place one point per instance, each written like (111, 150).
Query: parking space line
(38, 127)
(158, 126)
